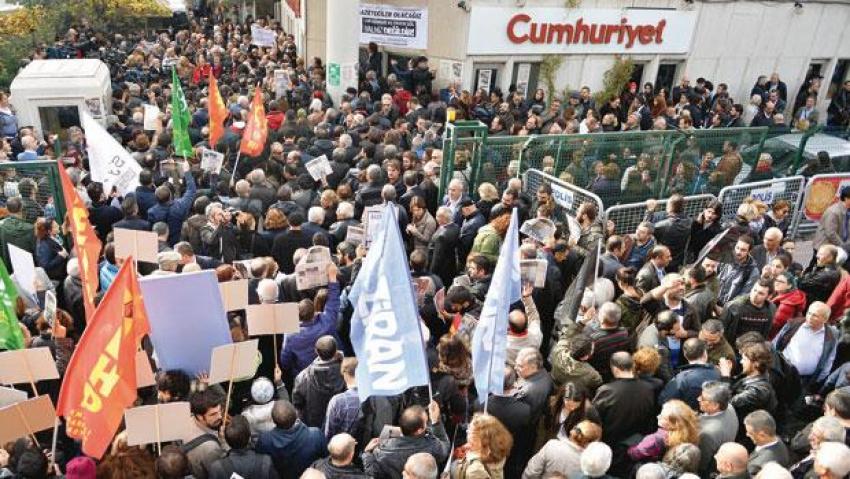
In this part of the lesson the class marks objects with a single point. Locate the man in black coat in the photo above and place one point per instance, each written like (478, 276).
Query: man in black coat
(515, 414)
(473, 220)
(286, 243)
(316, 385)
(241, 460)
(674, 230)
(819, 281)
(443, 246)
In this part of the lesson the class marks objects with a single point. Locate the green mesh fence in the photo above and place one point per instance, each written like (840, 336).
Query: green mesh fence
(44, 174)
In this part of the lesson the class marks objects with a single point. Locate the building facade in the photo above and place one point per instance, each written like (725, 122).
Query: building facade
(499, 43)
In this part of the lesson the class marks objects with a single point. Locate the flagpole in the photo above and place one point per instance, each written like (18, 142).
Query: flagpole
(235, 165)
(53, 442)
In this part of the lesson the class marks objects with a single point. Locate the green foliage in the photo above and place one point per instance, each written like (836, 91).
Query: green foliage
(548, 71)
(615, 80)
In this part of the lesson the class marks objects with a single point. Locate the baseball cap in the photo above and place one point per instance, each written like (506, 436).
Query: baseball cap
(80, 468)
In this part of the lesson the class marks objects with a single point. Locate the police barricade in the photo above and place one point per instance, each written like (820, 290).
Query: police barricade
(789, 189)
(821, 191)
(568, 197)
(627, 217)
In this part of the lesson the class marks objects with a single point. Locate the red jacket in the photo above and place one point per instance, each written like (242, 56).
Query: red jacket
(839, 300)
(788, 306)
(201, 73)
(275, 119)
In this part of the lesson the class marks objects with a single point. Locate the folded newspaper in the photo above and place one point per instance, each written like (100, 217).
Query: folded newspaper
(312, 271)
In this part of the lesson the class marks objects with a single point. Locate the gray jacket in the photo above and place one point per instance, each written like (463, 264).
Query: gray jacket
(388, 459)
(557, 455)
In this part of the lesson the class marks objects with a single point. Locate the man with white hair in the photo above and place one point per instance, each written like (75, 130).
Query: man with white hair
(344, 219)
(72, 293)
(832, 461)
(809, 344)
(313, 226)
(442, 249)
(261, 190)
(243, 201)
(420, 466)
(340, 461)
(596, 459)
(772, 470)
(454, 197)
(825, 429)
(608, 338)
(769, 249)
(820, 280)
(370, 193)
(731, 461)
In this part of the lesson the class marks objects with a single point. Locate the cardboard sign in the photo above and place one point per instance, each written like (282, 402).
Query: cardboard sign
(9, 396)
(141, 245)
(24, 267)
(262, 37)
(211, 161)
(26, 418)
(158, 423)
(144, 373)
(27, 365)
(231, 361)
(319, 167)
(281, 82)
(280, 318)
(234, 294)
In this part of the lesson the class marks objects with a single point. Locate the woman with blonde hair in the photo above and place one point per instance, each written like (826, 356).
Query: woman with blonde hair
(489, 196)
(488, 444)
(677, 424)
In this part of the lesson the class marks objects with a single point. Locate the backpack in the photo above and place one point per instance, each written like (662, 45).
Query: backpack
(191, 445)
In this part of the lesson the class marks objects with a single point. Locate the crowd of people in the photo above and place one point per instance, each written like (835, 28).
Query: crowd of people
(678, 364)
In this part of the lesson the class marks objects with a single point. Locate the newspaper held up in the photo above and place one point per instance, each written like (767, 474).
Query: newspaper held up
(319, 167)
(211, 161)
(312, 271)
(539, 229)
(355, 235)
(533, 271)
(371, 220)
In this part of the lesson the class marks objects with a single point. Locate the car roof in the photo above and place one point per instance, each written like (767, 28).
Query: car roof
(835, 146)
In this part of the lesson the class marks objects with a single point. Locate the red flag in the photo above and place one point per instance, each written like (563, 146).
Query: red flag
(100, 381)
(218, 112)
(257, 130)
(86, 243)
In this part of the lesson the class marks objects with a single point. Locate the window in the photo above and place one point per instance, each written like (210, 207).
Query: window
(526, 77)
(637, 75)
(665, 77)
(486, 77)
(839, 76)
(55, 120)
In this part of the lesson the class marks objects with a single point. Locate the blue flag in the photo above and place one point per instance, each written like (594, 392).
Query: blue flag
(490, 340)
(385, 327)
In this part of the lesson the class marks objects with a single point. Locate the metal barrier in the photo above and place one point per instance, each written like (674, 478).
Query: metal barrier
(812, 204)
(568, 197)
(626, 218)
(789, 189)
(44, 173)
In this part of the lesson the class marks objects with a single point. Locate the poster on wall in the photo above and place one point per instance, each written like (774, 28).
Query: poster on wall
(394, 26)
(451, 70)
(522, 75)
(484, 76)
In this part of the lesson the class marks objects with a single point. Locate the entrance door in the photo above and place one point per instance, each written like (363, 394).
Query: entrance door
(526, 77)
(666, 76)
(486, 77)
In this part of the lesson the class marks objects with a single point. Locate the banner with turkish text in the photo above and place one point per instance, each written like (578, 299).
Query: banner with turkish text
(100, 381)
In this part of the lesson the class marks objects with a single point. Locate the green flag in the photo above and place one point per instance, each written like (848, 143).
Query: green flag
(11, 336)
(180, 118)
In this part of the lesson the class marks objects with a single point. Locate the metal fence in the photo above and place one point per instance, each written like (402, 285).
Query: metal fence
(568, 197)
(789, 189)
(44, 175)
(627, 217)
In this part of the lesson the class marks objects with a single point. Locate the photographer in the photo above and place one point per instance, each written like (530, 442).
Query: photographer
(219, 234)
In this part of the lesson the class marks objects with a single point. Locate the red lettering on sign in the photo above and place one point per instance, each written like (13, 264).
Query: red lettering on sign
(521, 29)
(518, 18)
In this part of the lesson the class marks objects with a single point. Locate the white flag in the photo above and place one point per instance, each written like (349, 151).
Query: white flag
(109, 162)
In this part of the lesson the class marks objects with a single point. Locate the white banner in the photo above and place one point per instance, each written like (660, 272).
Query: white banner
(109, 162)
(262, 37)
(211, 161)
(394, 26)
(538, 31)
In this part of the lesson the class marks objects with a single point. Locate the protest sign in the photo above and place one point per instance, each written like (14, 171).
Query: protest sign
(109, 162)
(372, 216)
(319, 167)
(230, 361)
(26, 418)
(234, 294)
(50, 307)
(533, 271)
(27, 366)
(144, 373)
(312, 270)
(211, 161)
(24, 268)
(262, 37)
(141, 245)
(151, 119)
(389, 25)
(355, 235)
(185, 306)
(575, 227)
(158, 423)
(9, 396)
(279, 318)
(538, 229)
(281, 82)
